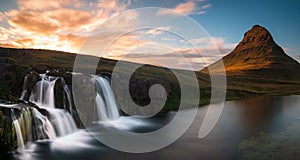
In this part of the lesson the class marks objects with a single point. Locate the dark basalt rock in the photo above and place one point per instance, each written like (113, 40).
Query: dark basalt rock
(8, 139)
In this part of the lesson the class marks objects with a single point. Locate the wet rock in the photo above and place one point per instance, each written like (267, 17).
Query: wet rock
(7, 133)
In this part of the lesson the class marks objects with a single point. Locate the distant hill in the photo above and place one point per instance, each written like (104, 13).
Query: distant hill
(258, 64)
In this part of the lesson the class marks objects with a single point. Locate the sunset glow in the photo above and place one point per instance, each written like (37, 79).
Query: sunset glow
(64, 25)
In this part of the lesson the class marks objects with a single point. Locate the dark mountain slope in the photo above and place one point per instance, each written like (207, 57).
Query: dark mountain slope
(259, 65)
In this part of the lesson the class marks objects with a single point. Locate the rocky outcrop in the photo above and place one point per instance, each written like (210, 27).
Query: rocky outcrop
(8, 140)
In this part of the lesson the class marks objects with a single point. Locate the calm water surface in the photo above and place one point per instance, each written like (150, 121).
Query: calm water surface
(239, 120)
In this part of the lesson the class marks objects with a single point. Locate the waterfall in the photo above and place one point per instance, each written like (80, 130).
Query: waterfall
(62, 122)
(24, 92)
(105, 100)
(16, 124)
(45, 121)
(32, 124)
(25, 121)
(43, 127)
(42, 93)
(68, 99)
(58, 122)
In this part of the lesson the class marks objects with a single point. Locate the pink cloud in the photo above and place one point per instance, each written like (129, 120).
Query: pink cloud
(2, 17)
(186, 8)
(113, 5)
(158, 30)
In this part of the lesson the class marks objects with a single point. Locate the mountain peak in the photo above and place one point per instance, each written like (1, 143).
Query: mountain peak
(257, 36)
(256, 52)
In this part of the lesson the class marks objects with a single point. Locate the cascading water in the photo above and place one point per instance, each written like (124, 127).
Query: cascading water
(25, 91)
(42, 93)
(45, 121)
(44, 129)
(62, 122)
(26, 123)
(105, 100)
(43, 96)
(68, 99)
(19, 134)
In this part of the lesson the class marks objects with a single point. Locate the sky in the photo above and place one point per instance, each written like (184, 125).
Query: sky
(188, 34)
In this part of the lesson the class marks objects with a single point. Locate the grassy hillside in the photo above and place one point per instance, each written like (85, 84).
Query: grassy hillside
(16, 63)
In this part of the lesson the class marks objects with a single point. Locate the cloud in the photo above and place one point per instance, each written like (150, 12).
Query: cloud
(158, 30)
(204, 52)
(67, 24)
(186, 8)
(72, 40)
(124, 45)
(26, 42)
(206, 6)
(62, 15)
(32, 22)
(8, 45)
(208, 52)
(75, 19)
(113, 5)
(213, 42)
(51, 21)
(40, 5)
(61, 24)
(4, 34)
(2, 16)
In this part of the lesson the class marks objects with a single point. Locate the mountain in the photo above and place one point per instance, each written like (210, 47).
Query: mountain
(258, 64)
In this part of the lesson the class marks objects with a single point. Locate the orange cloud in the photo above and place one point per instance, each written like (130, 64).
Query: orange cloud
(68, 19)
(32, 22)
(60, 24)
(66, 24)
(74, 41)
(8, 45)
(4, 34)
(40, 5)
(26, 42)
(124, 45)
